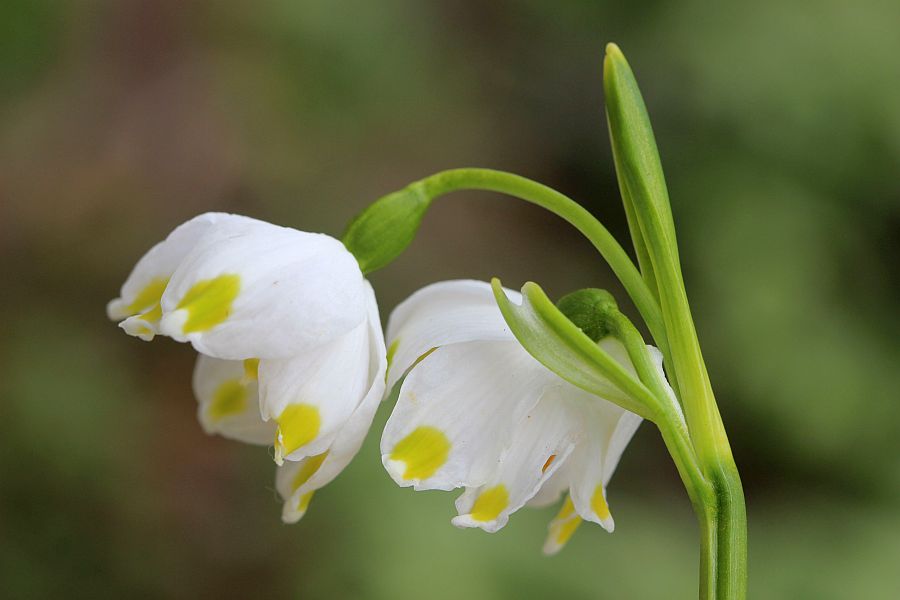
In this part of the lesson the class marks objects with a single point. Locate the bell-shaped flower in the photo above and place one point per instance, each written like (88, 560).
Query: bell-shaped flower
(291, 347)
(476, 410)
(238, 288)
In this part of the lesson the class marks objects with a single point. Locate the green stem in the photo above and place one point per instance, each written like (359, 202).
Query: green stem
(641, 176)
(453, 180)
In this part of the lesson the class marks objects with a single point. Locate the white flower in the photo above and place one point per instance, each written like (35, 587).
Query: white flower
(238, 288)
(290, 340)
(477, 411)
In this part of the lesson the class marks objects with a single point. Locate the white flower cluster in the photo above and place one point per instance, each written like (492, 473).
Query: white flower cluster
(291, 354)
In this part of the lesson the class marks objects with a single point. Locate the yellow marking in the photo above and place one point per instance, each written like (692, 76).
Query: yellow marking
(304, 501)
(307, 470)
(149, 296)
(298, 425)
(153, 315)
(490, 503)
(144, 330)
(566, 529)
(424, 451)
(230, 398)
(251, 369)
(548, 463)
(567, 509)
(598, 504)
(391, 351)
(208, 302)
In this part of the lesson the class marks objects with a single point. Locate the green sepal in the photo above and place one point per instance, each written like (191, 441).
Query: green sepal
(381, 232)
(557, 343)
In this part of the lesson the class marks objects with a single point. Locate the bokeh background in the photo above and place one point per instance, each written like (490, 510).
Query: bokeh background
(779, 127)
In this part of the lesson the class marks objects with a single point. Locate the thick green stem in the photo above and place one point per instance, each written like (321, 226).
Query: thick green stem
(569, 210)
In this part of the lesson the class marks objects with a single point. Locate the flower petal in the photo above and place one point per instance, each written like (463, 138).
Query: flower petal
(443, 313)
(457, 411)
(608, 429)
(313, 394)
(296, 481)
(540, 445)
(250, 289)
(138, 301)
(228, 400)
(561, 528)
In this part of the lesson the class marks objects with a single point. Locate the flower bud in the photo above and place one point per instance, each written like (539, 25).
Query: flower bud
(590, 310)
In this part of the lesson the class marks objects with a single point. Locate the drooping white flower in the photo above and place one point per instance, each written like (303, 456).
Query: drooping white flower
(289, 335)
(239, 288)
(477, 411)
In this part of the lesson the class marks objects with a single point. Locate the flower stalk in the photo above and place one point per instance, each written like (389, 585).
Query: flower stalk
(723, 518)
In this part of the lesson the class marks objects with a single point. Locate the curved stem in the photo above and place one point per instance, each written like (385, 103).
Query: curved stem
(561, 205)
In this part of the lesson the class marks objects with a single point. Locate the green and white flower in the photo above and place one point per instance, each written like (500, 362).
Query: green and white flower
(476, 410)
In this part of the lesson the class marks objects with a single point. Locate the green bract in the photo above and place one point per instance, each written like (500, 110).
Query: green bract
(383, 231)
(559, 344)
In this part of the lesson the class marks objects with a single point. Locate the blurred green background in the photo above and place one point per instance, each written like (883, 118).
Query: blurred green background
(779, 127)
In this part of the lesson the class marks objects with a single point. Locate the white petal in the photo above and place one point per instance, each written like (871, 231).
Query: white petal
(553, 488)
(251, 289)
(296, 481)
(562, 527)
(138, 301)
(540, 445)
(312, 395)
(457, 411)
(443, 313)
(607, 430)
(228, 401)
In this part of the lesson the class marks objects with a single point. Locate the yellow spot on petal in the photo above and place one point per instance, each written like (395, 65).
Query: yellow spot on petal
(490, 503)
(424, 451)
(153, 315)
(564, 525)
(566, 530)
(297, 425)
(230, 398)
(304, 501)
(251, 369)
(548, 463)
(208, 302)
(148, 297)
(567, 509)
(307, 470)
(598, 504)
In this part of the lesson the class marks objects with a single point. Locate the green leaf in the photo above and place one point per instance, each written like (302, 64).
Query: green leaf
(637, 160)
(383, 231)
(558, 344)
